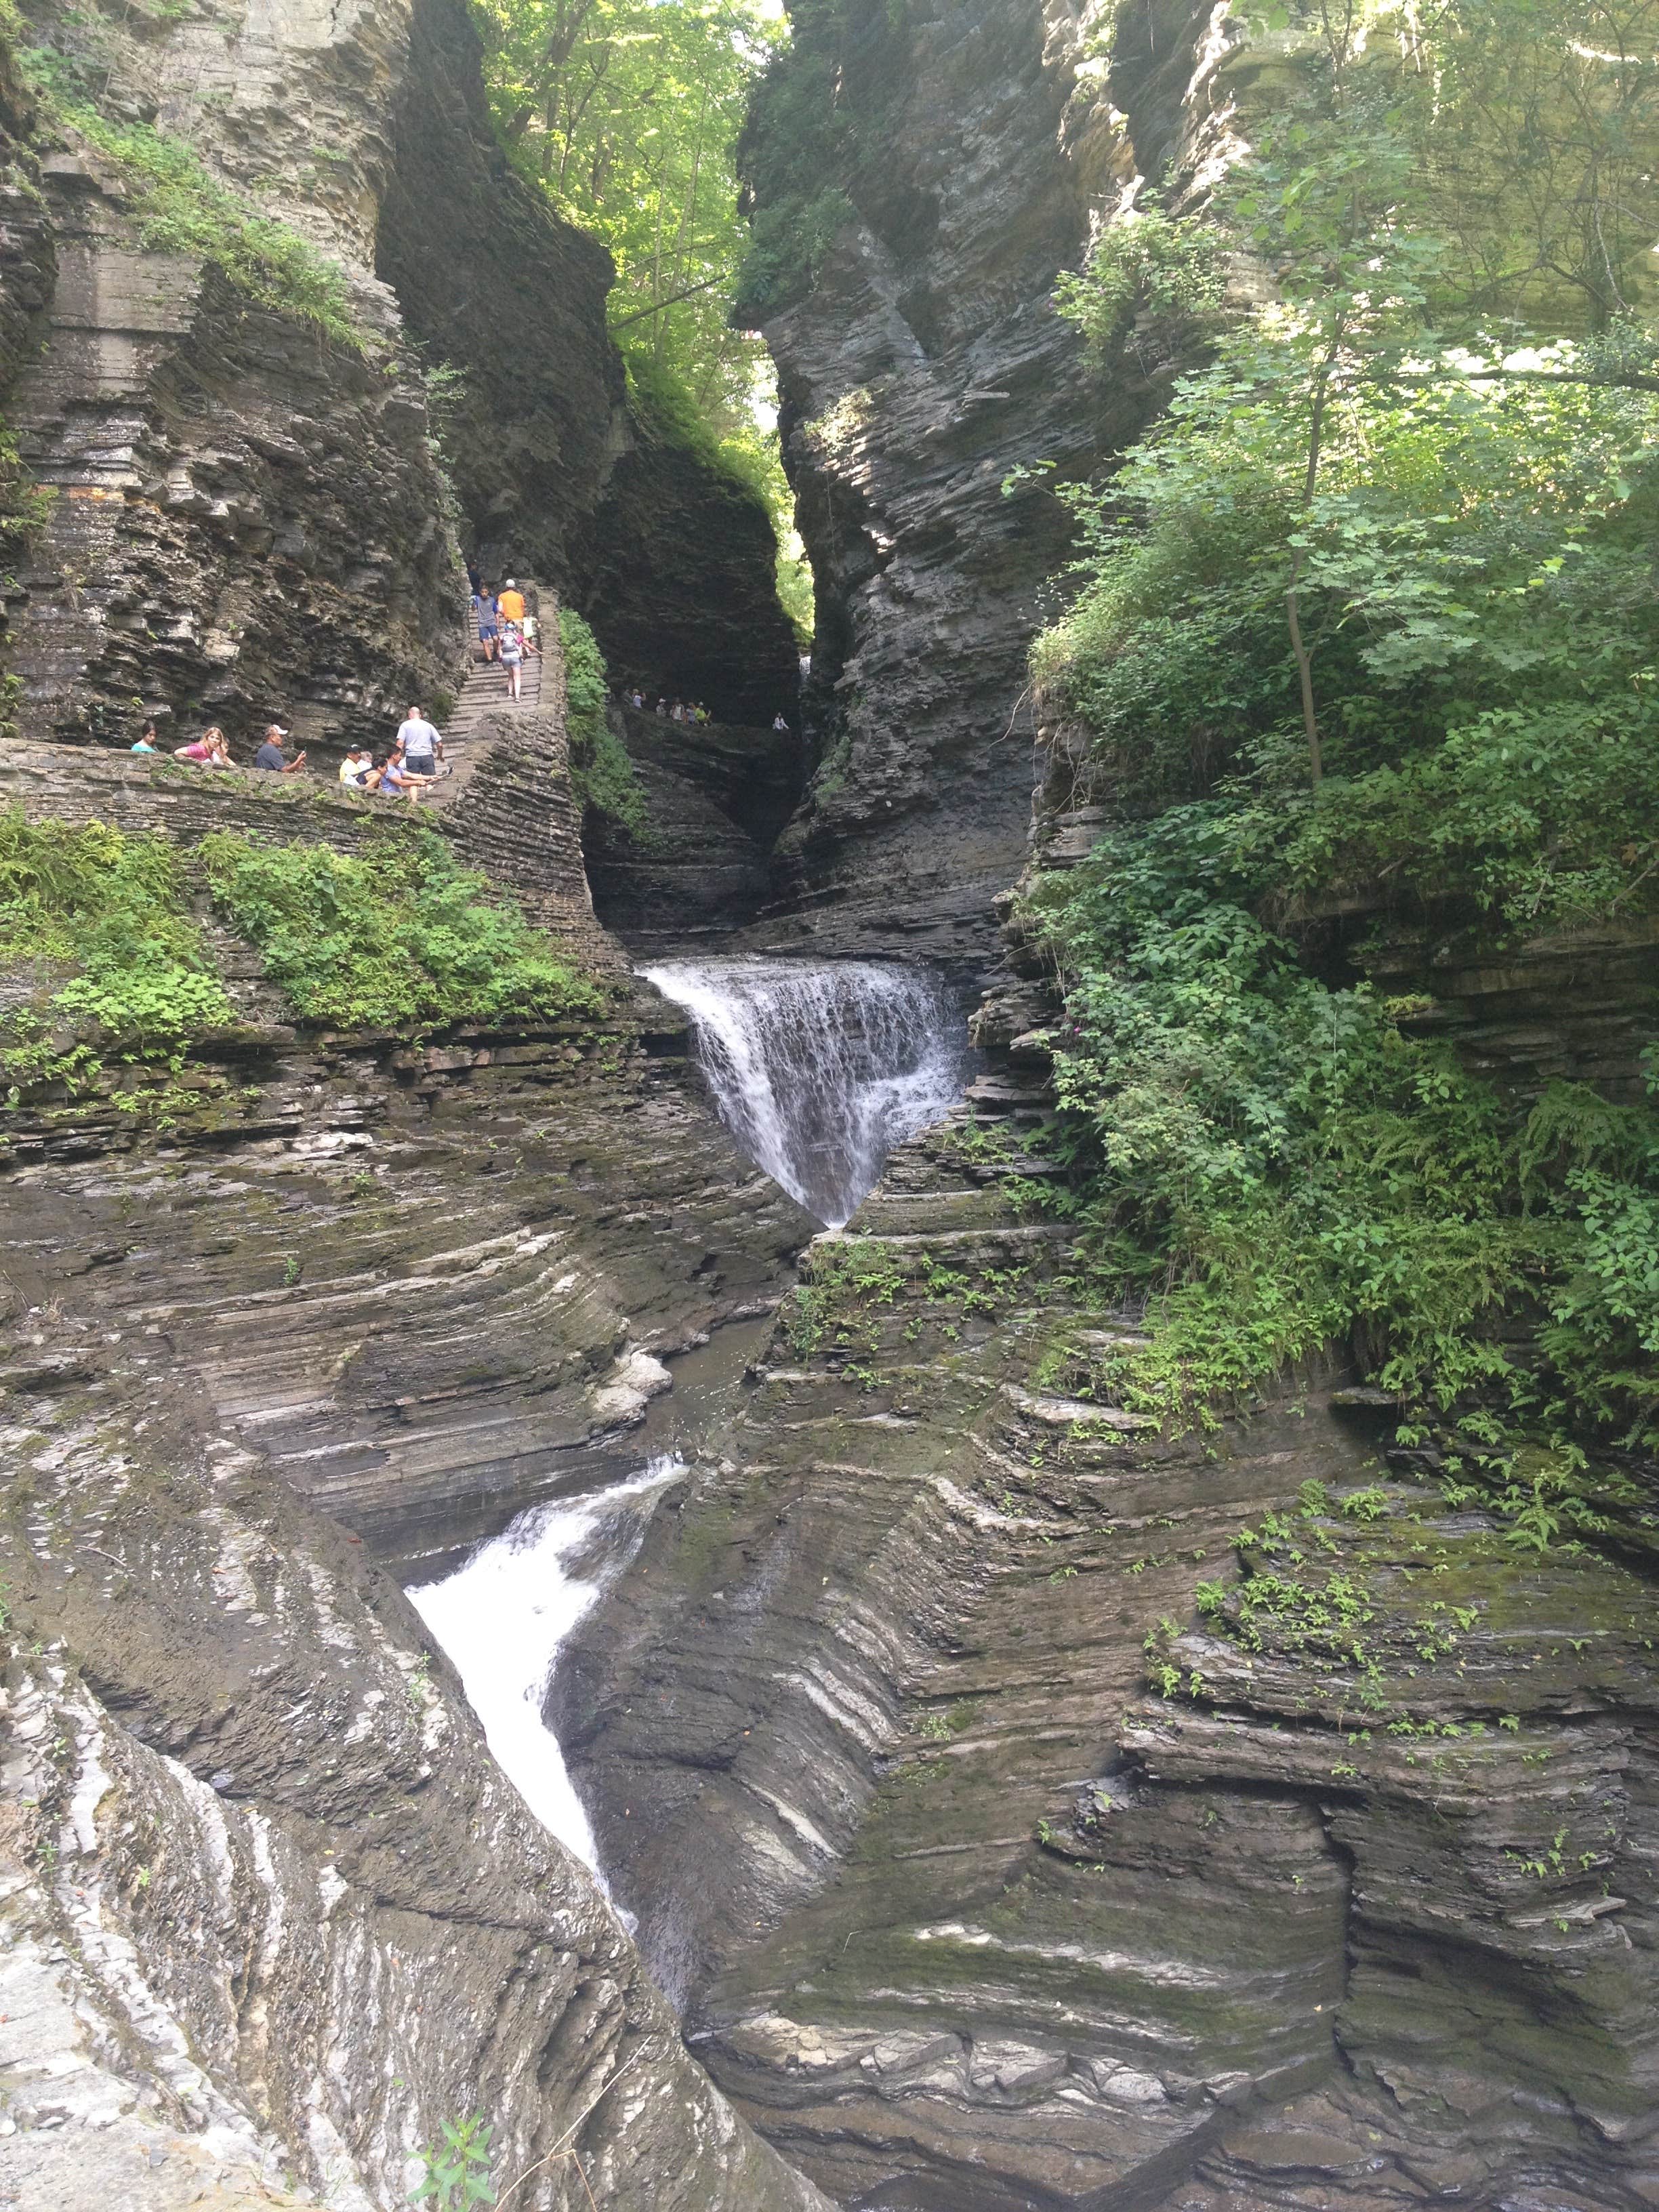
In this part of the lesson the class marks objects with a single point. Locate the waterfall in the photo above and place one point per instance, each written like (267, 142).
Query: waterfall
(502, 1614)
(819, 1067)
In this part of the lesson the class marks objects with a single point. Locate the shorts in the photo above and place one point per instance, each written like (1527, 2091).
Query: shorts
(422, 764)
(487, 630)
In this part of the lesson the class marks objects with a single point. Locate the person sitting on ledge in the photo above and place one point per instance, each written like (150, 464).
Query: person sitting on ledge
(357, 768)
(778, 722)
(270, 755)
(395, 780)
(147, 743)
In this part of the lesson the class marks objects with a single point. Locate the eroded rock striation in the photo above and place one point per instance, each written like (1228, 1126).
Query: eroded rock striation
(1228, 1822)
(1038, 1883)
(252, 518)
(297, 1909)
(272, 1913)
(920, 362)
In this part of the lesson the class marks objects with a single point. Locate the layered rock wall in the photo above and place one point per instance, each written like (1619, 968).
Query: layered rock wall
(715, 798)
(668, 556)
(1040, 1881)
(273, 1914)
(921, 363)
(254, 518)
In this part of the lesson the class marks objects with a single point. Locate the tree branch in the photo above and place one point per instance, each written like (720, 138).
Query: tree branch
(657, 305)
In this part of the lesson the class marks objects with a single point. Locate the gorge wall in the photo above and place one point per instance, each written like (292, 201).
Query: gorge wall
(994, 1777)
(272, 1915)
(987, 1867)
(251, 517)
(1066, 1854)
(967, 150)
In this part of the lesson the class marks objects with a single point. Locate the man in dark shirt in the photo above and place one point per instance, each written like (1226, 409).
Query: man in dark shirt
(270, 755)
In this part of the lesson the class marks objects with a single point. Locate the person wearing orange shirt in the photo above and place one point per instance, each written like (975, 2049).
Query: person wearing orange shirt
(511, 603)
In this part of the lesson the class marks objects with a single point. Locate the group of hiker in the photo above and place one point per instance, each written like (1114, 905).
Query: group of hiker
(681, 711)
(415, 760)
(506, 628)
(411, 763)
(212, 749)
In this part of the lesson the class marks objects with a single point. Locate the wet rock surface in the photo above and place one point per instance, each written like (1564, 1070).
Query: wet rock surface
(302, 1916)
(272, 1913)
(1040, 1883)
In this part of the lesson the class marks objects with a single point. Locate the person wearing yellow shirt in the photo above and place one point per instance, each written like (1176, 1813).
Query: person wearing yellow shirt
(511, 603)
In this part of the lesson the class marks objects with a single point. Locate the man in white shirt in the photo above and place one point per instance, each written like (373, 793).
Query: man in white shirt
(422, 747)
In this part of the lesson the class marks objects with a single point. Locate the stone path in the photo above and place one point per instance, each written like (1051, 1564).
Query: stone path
(484, 692)
(484, 701)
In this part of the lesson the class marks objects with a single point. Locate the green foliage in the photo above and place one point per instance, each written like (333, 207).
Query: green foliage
(182, 209)
(847, 1279)
(1372, 610)
(109, 914)
(1481, 621)
(626, 113)
(601, 773)
(1393, 521)
(1145, 259)
(1276, 1166)
(400, 936)
(458, 2166)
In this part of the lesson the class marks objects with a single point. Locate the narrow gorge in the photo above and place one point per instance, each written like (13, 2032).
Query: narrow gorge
(893, 1448)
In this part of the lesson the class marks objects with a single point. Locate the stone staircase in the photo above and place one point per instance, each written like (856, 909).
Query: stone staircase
(508, 802)
(484, 694)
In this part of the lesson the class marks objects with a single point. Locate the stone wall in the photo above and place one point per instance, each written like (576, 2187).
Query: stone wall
(282, 556)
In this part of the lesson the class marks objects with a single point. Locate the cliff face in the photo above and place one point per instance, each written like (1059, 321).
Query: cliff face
(668, 557)
(273, 1916)
(252, 519)
(248, 521)
(921, 365)
(1002, 1854)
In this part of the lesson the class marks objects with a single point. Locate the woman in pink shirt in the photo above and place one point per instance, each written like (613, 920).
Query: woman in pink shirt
(210, 749)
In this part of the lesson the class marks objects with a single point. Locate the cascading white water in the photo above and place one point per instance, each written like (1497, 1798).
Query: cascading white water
(504, 1612)
(819, 1067)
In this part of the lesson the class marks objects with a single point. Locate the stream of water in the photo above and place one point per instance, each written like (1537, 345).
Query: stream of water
(504, 1612)
(819, 1067)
